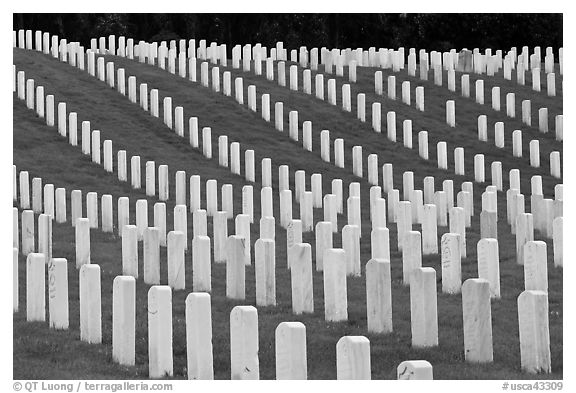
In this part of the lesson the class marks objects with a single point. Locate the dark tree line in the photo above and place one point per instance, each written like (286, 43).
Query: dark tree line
(428, 31)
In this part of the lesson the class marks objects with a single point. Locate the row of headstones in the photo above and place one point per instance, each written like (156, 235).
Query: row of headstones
(492, 68)
(234, 147)
(384, 58)
(376, 111)
(258, 53)
(180, 216)
(409, 241)
(82, 234)
(376, 115)
(372, 172)
(338, 144)
(331, 205)
(139, 232)
(517, 134)
(467, 61)
(210, 149)
(57, 293)
(236, 259)
(482, 119)
(175, 241)
(150, 175)
(90, 144)
(27, 93)
(353, 354)
(394, 59)
(479, 96)
(336, 263)
(123, 207)
(376, 108)
(534, 145)
(510, 105)
(376, 176)
(308, 200)
(554, 157)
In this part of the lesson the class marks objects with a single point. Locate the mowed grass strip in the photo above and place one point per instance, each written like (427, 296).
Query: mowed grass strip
(387, 351)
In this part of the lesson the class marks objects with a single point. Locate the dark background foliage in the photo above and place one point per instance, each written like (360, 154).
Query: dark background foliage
(427, 31)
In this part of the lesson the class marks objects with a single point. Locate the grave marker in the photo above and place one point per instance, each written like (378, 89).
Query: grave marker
(82, 241)
(477, 318)
(378, 296)
(451, 263)
(534, 332)
(489, 265)
(351, 246)
(160, 363)
(415, 370)
(175, 257)
(335, 296)
(199, 337)
(35, 287)
(152, 256)
(235, 267)
(535, 266)
(290, 342)
(244, 343)
(124, 320)
(90, 304)
(353, 358)
(423, 308)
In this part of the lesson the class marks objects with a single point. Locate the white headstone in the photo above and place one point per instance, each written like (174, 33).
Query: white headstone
(534, 332)
(82, 241)
(130, 251)
(175, 257)
(378, 296)
(235, 267)
(477, 319)
(57, 292)
(414, 370)
(451, 263)
(558, 241)
(152, 256)
(489, 265)
(411, 254)
(353, 358)
(160, 363)
(199, 337)
(290, 346)
(351, 246)
(244, 343)
(423, 307)
(535, 266)
(429, 230)
(124, 320)
(90, 304)
(265, 268)
(35, 287)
